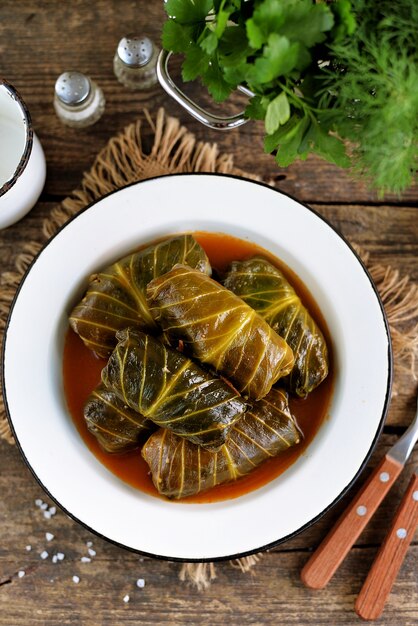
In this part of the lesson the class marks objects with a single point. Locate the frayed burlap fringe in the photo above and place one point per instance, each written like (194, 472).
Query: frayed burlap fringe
(400, 301)
(200, 575)
(125, 160)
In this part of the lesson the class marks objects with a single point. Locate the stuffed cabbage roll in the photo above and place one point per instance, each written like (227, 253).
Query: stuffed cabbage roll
(116, 427)
(116, 298)
(180, 468)
(218, 328)
(265, 289)
(171, 390)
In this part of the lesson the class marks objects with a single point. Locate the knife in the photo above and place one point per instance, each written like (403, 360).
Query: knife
(326, 559)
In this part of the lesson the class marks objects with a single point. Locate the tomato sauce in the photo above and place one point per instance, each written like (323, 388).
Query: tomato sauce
(82, 369)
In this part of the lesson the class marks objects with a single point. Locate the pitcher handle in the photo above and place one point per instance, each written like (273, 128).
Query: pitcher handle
(208, 119)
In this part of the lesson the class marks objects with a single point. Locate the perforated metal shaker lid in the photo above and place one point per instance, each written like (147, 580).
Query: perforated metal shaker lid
(72, 88)
(135, 50)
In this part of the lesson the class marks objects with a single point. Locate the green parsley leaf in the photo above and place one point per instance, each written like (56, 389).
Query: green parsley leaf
(255, 35)
(306, 22)
(256, 108)
(236, 74)
(283, 134)
(279, 58)
(218, 88)
(222, 18)
(176, 37)
(268, 16)
(278, 113)
(299, 20)
(209, 43)
(195, 64)
(289, 150)
(233, 47)
(328, 146)
(346, 21)
(188, 11)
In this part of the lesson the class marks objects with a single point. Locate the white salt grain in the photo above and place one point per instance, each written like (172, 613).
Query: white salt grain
(85, 559)
(126, 598)
(28, 548)
(52, 510)
(54, 558)
(43, 506)
(60, 556)
(49, 536)
(92, 552)
(21, 573)
(47, 515)
(140, 583)
(38, 502)
(76, 580)
(44, 555)
(89, 544)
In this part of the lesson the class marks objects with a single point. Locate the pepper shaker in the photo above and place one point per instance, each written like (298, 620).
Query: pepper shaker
(135, 62)
(78, 100)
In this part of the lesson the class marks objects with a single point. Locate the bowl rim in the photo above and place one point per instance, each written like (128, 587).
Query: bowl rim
(312, 521)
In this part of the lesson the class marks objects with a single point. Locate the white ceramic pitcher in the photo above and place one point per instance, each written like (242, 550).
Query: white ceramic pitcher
(22, 160)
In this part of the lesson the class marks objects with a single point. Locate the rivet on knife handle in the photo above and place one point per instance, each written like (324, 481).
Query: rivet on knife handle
(377, 586)
(329, 555)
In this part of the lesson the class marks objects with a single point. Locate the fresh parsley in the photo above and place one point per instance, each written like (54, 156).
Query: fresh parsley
(324, 76)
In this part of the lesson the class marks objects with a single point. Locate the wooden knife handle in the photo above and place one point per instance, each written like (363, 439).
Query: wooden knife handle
(324, 562)
(377, 586)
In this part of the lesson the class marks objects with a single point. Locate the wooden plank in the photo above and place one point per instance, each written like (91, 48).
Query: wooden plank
(55, 36)
(389, 233)
(38, 40)
(273, 595)
(22, 520)
(48, 594)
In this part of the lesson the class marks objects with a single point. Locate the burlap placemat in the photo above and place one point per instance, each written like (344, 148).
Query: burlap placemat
(125, 160)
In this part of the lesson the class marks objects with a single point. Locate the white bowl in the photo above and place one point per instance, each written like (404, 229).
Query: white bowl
(32, 362)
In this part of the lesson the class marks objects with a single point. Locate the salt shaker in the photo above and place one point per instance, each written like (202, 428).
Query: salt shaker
(135, 62)
(78, 100)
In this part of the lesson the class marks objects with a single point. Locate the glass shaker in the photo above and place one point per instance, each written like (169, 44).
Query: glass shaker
(78, 100)
(135, 62)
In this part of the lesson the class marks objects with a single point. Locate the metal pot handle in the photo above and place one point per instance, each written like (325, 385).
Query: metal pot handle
(212, 121)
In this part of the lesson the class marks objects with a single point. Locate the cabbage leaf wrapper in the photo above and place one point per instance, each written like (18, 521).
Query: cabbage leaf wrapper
(180, 468)
(116, 427)
(171, 390)
(219, 329)
(116, 297)
(263, 287)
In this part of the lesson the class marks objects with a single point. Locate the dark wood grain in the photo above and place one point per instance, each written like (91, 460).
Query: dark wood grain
(49, 596)
(38, 40)
(41, 39)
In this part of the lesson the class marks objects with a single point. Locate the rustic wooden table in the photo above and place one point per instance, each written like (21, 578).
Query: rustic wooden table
(38, 40)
